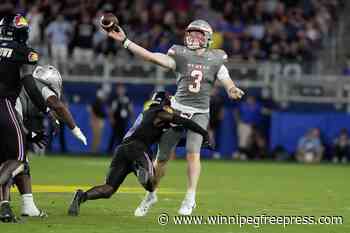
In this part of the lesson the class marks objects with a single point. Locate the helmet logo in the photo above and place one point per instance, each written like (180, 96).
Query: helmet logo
(20, 21)
(33, 57)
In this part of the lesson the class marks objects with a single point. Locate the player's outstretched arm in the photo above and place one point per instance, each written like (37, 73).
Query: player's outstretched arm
(157, 58)
(232, 90)
(64, 114)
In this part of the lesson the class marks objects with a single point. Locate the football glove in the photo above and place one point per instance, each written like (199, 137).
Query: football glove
(79, 135)
(41, 139)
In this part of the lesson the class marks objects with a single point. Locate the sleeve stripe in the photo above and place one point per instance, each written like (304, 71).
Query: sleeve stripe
(171, 51)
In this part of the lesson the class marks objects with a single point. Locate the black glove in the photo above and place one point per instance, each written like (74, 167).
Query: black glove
(40, 139)
(207, 143)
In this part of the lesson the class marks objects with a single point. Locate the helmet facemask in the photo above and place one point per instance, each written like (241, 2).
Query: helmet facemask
(196, 39)
(198, 35)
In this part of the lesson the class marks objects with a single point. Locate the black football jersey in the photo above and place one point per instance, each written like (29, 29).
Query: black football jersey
(13, 56)
(144, 128)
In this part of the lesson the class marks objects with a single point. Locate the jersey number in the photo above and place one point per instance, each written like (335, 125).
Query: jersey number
(197, 76)
(6, 52)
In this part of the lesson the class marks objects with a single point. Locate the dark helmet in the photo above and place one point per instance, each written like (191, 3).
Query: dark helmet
(161, 97)
(14, 27)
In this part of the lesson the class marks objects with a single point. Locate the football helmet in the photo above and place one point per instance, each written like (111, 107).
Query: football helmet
(161, 97)
(49, 76)
(14, 27)
(200, 40)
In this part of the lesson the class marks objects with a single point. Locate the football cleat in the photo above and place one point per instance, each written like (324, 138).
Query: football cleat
(75, 204)
(41, 214)
(145, 205)
(6, 214)
(187, 207)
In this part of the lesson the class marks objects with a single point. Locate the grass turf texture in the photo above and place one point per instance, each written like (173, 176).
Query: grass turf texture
(226, 188)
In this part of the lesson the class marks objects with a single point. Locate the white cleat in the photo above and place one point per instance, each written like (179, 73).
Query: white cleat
(38, 213)
(145, 205)
(187, 207)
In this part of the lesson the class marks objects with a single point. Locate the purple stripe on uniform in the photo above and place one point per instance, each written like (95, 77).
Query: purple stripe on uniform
(150, 165)
(18, 130)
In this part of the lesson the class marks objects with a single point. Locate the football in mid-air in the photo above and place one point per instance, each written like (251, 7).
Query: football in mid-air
(109, 22)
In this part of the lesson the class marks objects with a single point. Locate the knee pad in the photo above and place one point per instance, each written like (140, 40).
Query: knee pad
(9, 170)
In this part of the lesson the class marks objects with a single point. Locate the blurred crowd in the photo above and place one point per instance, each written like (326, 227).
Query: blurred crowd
(312, 150)
(251, 117)
(248, 30)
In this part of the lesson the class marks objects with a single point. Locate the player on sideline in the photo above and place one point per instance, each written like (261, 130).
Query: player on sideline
(48, 80)
(197, 68)
(14, 55)
(133, 153)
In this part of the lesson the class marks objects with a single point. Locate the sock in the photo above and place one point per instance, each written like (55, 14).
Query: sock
(191, 195)
(28, 205)
(151, 194)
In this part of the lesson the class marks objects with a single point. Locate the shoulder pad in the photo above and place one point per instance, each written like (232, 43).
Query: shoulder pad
(220, 54)
(168, 109)
(175, 49)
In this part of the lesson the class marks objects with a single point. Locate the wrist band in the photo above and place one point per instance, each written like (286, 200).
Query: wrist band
(126, 42)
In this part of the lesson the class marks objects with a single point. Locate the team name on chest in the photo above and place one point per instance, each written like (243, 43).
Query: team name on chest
(198, 66)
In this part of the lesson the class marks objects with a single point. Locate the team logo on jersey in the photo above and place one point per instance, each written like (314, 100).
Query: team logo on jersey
(33, 56)
(20, 21)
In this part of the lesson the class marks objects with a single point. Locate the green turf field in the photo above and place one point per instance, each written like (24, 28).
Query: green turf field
(227, 188)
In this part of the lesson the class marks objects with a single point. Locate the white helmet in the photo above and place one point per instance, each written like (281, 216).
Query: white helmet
(197, 43)
(49, 76)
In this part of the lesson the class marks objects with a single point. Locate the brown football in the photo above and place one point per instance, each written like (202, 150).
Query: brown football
(109, 22)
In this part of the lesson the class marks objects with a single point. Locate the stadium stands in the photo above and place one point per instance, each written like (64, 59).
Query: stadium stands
(271, 44)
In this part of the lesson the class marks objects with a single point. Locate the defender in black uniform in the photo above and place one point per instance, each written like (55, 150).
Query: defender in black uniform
(133, 153)
(14, 54)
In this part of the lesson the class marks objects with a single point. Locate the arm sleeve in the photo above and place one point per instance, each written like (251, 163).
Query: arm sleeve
(189, 124)
(178, 120)
(46, 93)
(223, 73)
(33, 92)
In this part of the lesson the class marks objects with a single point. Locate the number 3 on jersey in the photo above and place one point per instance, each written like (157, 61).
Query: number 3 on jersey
(197, 76)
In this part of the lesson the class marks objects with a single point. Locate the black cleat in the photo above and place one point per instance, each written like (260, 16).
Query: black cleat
(6, 214)
(75, 204)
